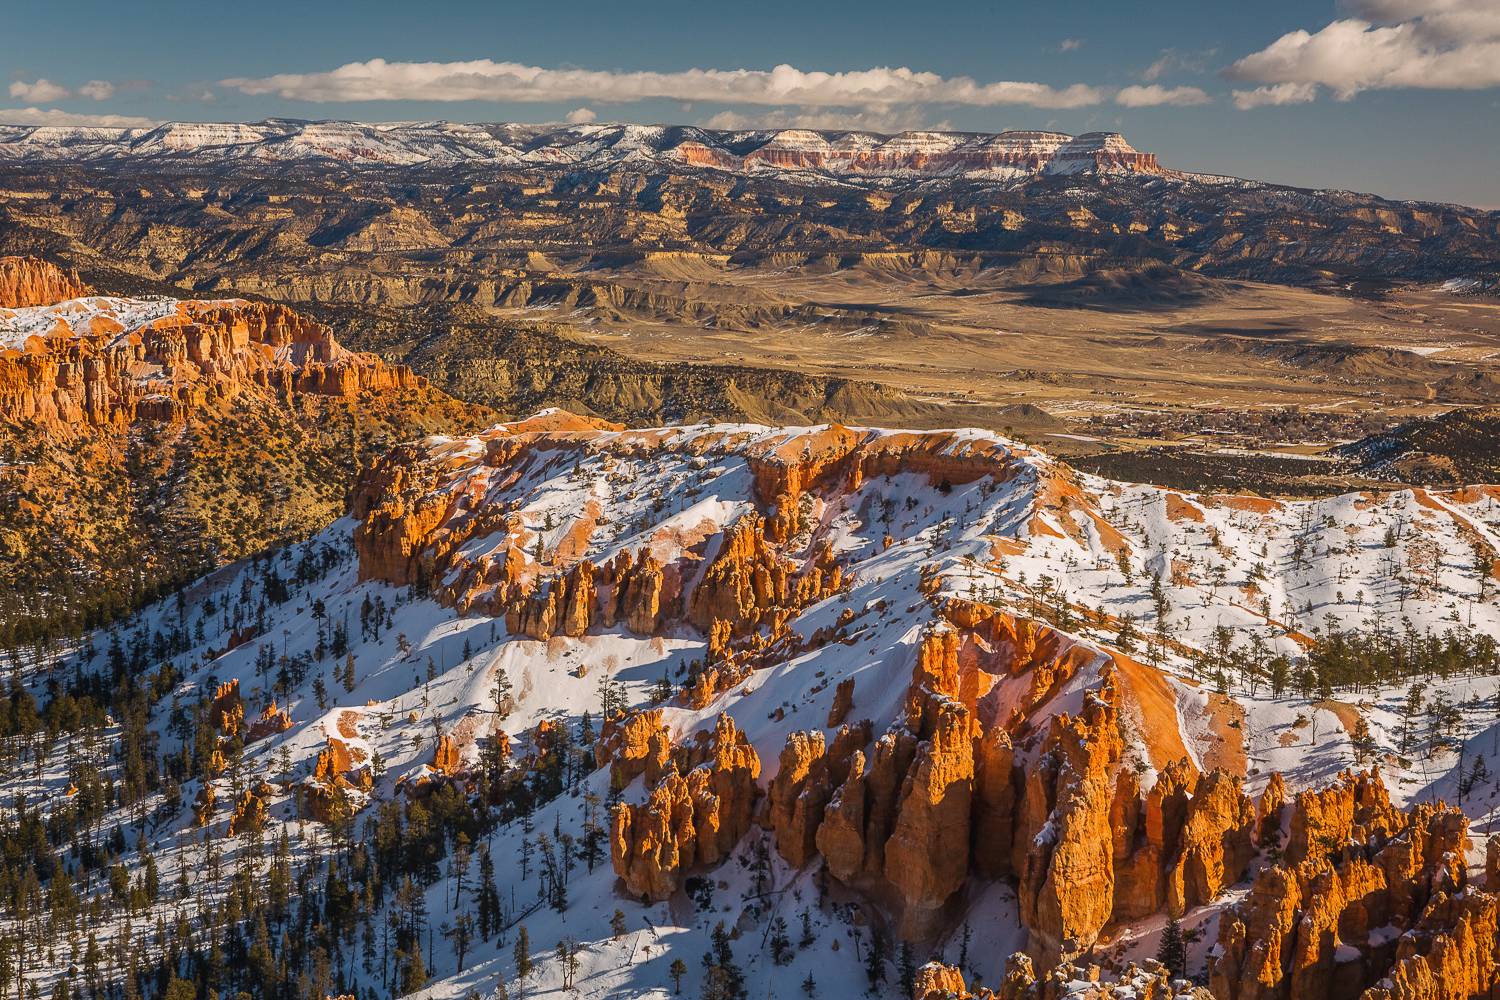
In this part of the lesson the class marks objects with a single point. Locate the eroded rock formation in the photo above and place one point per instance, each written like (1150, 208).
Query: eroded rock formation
(1148, 980)
(1363, 891)
(337, 784)
(634, 744)
(91, 363)
(250, 811)
(445, 758)
(690, 819)
(29, 281)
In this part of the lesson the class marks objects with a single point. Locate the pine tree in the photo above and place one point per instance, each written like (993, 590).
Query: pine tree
(908, 970)
(489, 897)
(677, 971)
(522, 954)
(875, 958)
(1173, 950)
(781, 944)
(414, 972)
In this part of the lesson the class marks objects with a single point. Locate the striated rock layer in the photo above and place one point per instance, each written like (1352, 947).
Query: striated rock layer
(28, 281)
(91, 363)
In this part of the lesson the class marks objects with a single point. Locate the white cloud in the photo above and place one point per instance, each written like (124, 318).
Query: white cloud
(486, 80)
(40, 91)
(1276, 95)
(1155, 95)
(1070, 45)
(582, 116)
(99, 90)
(1429, 44)
(52, 116)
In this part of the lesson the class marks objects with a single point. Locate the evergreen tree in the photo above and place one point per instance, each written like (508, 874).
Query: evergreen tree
(875, 958)
(1172, 952)
(522, 954)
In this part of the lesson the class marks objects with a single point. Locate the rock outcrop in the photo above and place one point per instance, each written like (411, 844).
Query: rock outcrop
(1064, 854)
(1366, 897)
(1148, 980)
(632, 745)
(227, 711)
(939, 798)
(337, 785)
(273, 719)
(445, 757)
(690, 819)
(90, 363)
(798, 796)
(29, 281)
(927, 854)
(250, 812)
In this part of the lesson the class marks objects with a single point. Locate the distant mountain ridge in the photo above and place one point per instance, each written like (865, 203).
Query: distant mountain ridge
(1004, 156)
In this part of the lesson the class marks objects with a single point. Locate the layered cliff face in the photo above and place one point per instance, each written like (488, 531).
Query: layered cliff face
(145, 440)
(29, 281)
(909, 155)
(82, 364)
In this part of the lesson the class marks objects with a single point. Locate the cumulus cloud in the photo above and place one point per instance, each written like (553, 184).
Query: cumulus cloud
(39, 91)
(486, 80)
(1070, 45)
(582, 116)
(1155, 95)
(1276, 95)
(1387, 44)
(99, 90)
(52, 116)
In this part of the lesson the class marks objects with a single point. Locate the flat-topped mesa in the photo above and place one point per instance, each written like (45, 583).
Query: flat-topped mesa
(30, 281)
(1101, 152)
(1014, 156)
(101, 362)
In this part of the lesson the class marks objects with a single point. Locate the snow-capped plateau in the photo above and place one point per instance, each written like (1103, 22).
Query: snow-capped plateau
(907, 155)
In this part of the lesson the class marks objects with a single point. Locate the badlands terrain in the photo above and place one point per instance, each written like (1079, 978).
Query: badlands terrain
(1072, 290)
(479, 561)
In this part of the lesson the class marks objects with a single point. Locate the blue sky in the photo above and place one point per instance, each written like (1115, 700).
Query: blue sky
(1399, 97)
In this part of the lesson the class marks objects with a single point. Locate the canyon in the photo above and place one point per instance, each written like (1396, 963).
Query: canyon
(629, 559)
(1071, 289)
(983, 746)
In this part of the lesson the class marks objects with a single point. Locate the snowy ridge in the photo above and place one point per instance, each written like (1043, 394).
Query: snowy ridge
(94, 314)
(914, 518)
(907, 155)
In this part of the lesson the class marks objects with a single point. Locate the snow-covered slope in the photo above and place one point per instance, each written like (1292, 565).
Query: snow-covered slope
(907, 155)
(442, 580)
